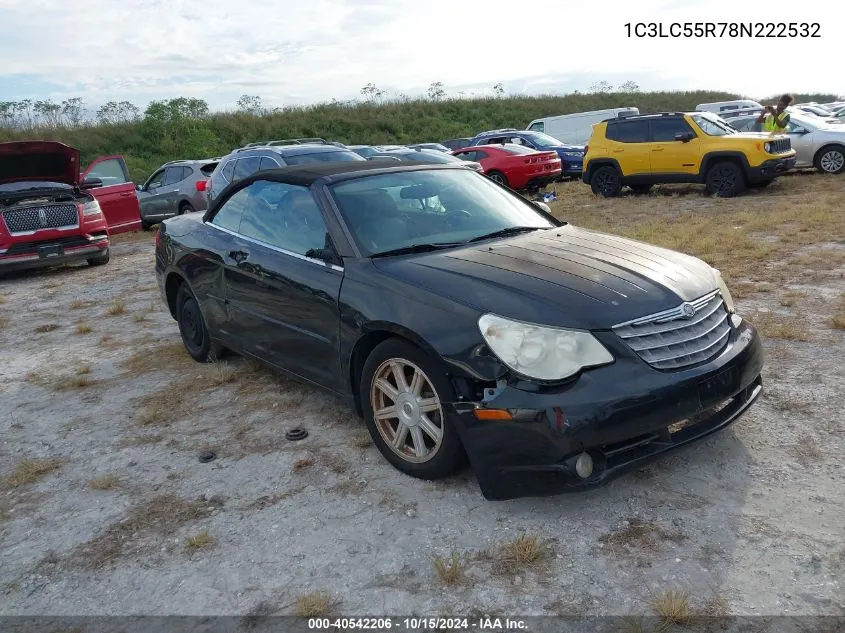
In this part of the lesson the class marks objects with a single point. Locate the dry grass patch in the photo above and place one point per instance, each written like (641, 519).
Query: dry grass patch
(267, 501)
(808, 451)
(161, 516)
(314, 604)
(785, 328)
(837, 321)
(637, 535)
(28, 471)
(790, 298)
(139, 317)
(672, 607)
(362, 440)
(83, 370)
(106, 482)
(199, 541)
(4, 322)
(303, 464)
(526, 550)
(72, 383)
(83, 327)
(220, 374)
(78, 304)
(160, 357)
(450, 570)
(48, 327)
(334, 463)
(116, 307)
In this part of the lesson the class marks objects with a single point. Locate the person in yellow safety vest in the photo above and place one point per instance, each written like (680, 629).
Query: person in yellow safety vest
(776, 118)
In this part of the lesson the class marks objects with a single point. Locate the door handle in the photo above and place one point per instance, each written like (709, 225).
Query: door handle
(238, 256)
(125, 194)
(657, 149)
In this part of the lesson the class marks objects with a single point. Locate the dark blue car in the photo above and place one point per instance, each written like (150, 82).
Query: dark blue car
(571, 156)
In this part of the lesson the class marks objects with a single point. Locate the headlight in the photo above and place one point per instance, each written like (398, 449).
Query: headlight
(91, 208)
(573, 154)
(767, 147)
(726, 294)
(544, 353)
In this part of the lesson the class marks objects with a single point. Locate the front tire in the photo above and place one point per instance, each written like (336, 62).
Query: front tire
(725, 180)
(403, 394)
(99, 260)
(605, 182)
(192, 327)
(831, 160)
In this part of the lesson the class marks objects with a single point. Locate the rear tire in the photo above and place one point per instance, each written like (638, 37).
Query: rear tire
(99, 260)
(605, 182)
(184, 208)
(498, 177)
(831, 159)
(725, 180)
(641, 189)
(414, 432)
(192, 328)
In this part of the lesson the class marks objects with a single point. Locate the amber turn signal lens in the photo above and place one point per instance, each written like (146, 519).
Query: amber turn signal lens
(493, 414)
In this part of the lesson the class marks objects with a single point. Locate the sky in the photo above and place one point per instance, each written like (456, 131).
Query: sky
(306, 51)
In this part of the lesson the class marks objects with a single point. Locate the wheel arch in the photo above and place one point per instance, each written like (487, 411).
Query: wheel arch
(597, 163)
(711, 158)
(824, 148)
(172, 282)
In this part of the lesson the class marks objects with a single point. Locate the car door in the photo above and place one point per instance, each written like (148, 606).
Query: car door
(152, 208)
(803, 142)
(283, 302)
(117, 197)
(627, 143)
(169, 192)
(672, 156)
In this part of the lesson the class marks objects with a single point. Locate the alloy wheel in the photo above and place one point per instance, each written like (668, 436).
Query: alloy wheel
(407, 410)
(832, 161)
(606, 182)
(724, 180)
(497, 178)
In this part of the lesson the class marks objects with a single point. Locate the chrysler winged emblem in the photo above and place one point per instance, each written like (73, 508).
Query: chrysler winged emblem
(42, 217)
(687, 310)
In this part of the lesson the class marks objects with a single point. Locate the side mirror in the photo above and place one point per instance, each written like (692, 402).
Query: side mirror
(139, 187)
(802, 130)
(327, 255)
(684, 137)
(543, 206)
(92, 182)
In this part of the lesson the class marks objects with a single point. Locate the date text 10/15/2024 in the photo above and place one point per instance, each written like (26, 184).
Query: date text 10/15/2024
(722, 29)
(492, 624)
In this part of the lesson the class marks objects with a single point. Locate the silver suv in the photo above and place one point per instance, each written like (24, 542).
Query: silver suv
(250, 159)
(175, 188)
(816, 143)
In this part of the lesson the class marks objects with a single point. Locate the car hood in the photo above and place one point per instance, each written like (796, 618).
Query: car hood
(565, 276)
(39, 161)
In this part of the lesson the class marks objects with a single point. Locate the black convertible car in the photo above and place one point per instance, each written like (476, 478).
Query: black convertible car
(462, 320)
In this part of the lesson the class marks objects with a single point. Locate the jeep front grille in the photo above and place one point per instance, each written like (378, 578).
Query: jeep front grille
(781, 145)
(674, 339)
(48, 216)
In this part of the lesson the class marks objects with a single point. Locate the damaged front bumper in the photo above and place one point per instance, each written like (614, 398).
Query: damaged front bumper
(621, 415)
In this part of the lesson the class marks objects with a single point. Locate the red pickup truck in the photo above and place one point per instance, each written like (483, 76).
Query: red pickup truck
(53, 212)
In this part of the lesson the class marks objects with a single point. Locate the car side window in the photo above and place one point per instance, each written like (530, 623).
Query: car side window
(110, 171)
(245, 167)
(664, 130)
(283, 215)
(187, 172)
(628, 132)
(228, 170)
(267, 163)
(480, 155)
(172, 175)
(466, 155)
(229, 215)
(156, 180)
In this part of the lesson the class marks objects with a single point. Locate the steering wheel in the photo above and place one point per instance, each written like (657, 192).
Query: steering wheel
(458, 216)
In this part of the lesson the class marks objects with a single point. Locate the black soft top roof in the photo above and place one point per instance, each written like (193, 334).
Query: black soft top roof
(306, 175)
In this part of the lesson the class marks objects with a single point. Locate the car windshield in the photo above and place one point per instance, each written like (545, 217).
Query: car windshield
(25, 185)
(712, 125)
(323, 157)
(430, 208)
(543, 140)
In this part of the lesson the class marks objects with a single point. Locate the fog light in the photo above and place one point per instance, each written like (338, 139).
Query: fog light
(584, 465)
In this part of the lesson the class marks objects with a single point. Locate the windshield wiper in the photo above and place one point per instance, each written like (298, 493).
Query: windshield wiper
(511, 230)
(416, 248)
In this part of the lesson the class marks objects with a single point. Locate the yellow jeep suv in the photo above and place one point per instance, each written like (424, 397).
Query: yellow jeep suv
(697, 147)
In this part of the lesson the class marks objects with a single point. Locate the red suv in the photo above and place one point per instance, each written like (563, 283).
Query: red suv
(50, 214)
(515, 166)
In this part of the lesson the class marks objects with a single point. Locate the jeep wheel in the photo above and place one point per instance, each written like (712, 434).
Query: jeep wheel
(725, 180)
(831, 160)
(606, 182)
(640, 189)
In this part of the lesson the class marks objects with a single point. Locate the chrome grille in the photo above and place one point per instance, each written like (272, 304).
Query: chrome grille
(781, 145)
(692, 333)
(48, 216)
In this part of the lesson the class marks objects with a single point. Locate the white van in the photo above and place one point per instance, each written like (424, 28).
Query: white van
(575, 129)
(726, 106)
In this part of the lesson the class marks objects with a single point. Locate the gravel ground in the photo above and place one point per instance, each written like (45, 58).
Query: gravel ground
(106, 509)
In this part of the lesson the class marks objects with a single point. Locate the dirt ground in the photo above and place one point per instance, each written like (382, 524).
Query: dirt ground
(106, 508)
